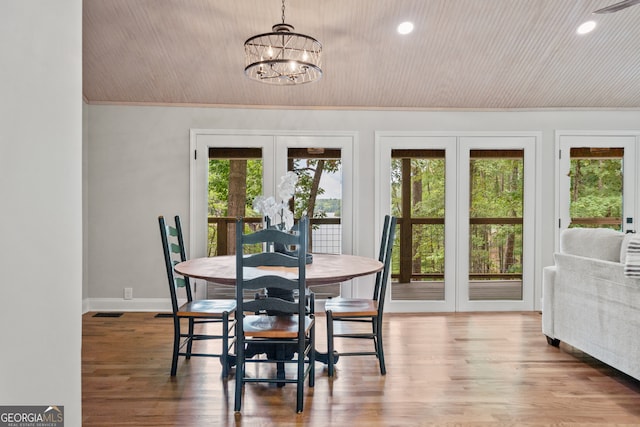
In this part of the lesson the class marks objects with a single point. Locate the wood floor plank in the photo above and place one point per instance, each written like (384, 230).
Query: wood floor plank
(471, 369)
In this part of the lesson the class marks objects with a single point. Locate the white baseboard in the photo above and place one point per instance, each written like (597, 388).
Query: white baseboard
(161, 305)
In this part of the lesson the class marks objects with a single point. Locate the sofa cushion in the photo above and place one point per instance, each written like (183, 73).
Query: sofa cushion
(599, 243)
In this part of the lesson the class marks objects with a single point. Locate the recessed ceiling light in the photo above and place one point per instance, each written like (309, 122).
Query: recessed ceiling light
(587, 27)
(405, 27)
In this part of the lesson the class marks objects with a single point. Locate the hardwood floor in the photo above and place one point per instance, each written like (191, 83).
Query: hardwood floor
(480, 369)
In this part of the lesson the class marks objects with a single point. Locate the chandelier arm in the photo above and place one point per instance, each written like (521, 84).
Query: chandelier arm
(279, 75)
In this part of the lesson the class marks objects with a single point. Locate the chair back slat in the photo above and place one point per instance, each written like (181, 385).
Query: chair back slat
(271, 305)
(172, 231)
(270, 281)
(180, 282)
(174, 253)
(271, 235)
(270, 259)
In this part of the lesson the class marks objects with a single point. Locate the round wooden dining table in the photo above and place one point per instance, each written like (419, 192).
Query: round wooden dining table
(324, 270)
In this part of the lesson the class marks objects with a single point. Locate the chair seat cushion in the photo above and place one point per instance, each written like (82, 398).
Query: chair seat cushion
(352, 307)
(207, 307)
(261, 326)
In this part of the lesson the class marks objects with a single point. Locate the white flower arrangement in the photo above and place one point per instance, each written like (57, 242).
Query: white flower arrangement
(267, 206)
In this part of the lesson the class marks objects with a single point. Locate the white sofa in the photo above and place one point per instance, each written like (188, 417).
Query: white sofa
(589, 303)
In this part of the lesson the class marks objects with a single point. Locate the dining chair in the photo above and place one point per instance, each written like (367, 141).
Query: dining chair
(362, 309)
(195, 312)
(290, 332)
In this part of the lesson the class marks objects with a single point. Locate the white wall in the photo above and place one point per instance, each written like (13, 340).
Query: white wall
(40, 196)
(139, 169)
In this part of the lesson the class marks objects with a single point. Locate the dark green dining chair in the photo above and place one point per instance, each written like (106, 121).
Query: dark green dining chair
(362, 309)
(276, 322)
(197, 313)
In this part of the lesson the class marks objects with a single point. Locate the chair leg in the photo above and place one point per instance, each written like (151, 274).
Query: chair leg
(330, 360)
(225, 345)
(176, 345)
(312, 357)
(300, 384)
(379, 347)
(240, 373)
(280, 374)
(190, 342)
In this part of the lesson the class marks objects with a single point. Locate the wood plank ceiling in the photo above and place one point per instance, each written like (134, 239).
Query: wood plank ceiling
(463, 54)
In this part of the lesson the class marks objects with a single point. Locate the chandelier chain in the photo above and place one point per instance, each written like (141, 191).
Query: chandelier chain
(283, 11)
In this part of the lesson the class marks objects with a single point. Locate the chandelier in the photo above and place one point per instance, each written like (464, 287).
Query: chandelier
(283, 57)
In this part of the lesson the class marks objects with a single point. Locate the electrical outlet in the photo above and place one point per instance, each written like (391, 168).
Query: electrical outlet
(128, 293)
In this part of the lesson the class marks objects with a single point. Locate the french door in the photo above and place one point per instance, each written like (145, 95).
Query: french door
(268, 156)
(496, 223)
(465, 205)
(596, 178)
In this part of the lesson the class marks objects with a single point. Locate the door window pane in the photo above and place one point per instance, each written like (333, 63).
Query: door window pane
(235, 179)
(319, 196)
(495, 224)
(596, 187)
(418, 200)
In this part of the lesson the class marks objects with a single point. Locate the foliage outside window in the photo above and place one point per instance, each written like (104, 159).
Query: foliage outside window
(220, 183)
(235, 181)
(496, 210)
(310, 168)
(418, 200)
(596, 187)
(233, 185)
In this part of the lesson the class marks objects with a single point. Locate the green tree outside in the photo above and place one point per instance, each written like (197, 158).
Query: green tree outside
(596, 189)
